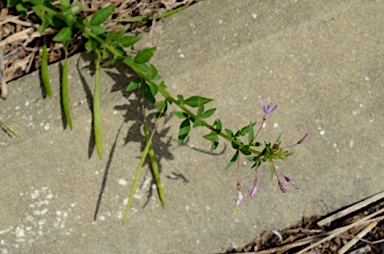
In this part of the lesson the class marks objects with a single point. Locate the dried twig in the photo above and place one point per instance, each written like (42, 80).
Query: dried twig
(362, 233)
(338, 231)
(351, 209)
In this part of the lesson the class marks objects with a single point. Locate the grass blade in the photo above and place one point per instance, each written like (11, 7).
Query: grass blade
(96, 107)
(65, 93)
(138, 170)
(44, 71)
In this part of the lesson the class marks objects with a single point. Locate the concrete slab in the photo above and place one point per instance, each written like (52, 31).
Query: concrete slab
(322, 62)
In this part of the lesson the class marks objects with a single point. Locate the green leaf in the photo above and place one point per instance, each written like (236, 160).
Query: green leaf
(250, 134)
(129, 61)
(56, 22)
(162, 109)
(37, 2)
(101, 16)
(256, 144)
(246, 129)
(278, 138)
(113, 61)
(98, 30)
(86, 24)
(180, 98)
(64, 35)
(90, 45)
(64, 4)
(153, 72)
(180, 114)
(163, 85)
(229, 132)
(217, 125)
(44, 23)
(22, 8)
(208, 113)
(200, 110)
(185, 127)
(245, 150)
(143, 70)
(153, 87)
(11, 3)
(211, 136)
(133, 85)
(232, 161)
(76, 8)
(214, 139)
(105, 53)
(120, 51)
(235, 145)
(144, 55)
(215, 144)
(253, 159)
(116, 35)
(195, 101)
(69, 18)
(160, 104)
(128, 41)
(38, 11)
(148, 94)
(197, 122)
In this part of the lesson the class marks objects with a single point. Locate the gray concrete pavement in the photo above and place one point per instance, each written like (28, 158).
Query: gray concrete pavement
(321, 61)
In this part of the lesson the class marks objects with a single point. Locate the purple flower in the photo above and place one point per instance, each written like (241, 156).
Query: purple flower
(254, 189)
(267, 110)
(306, 137)
(239, 198)
(283, 190)
(288, 180)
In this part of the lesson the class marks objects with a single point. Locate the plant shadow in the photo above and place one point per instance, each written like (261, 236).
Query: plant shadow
(162, 141)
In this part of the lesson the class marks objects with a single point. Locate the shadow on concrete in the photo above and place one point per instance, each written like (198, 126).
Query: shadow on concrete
(105, 176)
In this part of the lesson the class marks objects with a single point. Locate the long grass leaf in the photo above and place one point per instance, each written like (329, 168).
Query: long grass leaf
(44, 71)
(65, 93)
(96, 107)
(138, 170)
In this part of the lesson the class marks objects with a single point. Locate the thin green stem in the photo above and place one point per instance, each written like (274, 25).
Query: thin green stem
(152, 158)
(204, 123)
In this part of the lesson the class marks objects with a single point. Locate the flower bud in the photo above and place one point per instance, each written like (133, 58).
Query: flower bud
(306, 137)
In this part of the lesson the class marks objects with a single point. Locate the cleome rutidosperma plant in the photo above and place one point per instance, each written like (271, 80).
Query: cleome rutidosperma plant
(115, 46)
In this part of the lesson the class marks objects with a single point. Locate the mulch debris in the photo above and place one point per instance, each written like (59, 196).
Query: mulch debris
(358, 228)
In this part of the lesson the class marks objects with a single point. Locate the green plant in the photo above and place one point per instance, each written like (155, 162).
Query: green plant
(193, 110)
